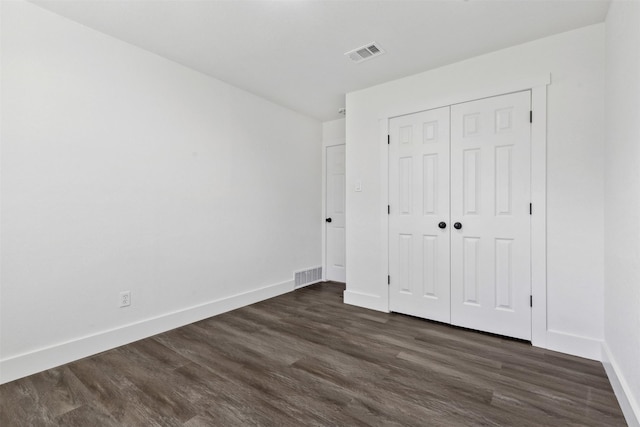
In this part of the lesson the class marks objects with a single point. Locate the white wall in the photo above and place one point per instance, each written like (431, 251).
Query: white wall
(333, 132)
(124, 171)
(575, 117)
(622, 206)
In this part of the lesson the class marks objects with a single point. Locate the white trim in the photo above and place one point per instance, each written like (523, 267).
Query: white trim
(538, 87)
(630, 406)
(25, 364)
(539, 216)
(326, 144)
(334, 141)
(370, 301)
(576, 345)
(383, 124)
(304, 285)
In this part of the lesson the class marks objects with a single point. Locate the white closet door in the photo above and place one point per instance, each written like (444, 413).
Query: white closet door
(490, 196)
(335, 206)
(419, 202)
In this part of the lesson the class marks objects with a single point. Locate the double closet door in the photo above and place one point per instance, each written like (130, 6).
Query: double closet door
(459, 221)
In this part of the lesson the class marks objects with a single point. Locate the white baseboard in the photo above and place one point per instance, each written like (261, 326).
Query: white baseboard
(589, 348)
(630, 406)
(30, 363)
(370, 301)
(309, 284)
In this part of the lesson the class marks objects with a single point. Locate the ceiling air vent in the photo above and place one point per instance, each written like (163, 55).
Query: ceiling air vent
(365, 52)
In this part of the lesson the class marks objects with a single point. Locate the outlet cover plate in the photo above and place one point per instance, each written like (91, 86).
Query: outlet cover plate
(125, 299)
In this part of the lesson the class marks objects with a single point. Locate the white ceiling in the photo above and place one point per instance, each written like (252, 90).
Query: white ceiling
(291, 52)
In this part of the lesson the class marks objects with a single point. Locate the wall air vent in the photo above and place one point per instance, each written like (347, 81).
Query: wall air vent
(307, 277)
(365, 52)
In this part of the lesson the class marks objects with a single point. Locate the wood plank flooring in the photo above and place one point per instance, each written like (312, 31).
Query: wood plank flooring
(307, 359)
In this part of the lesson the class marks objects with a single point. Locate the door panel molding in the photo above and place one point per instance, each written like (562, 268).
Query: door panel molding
(490, 196)
(420, 201)
(538, 86)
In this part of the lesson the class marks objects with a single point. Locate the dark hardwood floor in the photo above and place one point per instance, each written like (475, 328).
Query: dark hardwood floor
(307, 359)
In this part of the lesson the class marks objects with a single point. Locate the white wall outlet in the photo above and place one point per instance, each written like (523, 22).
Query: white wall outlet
(125, 299)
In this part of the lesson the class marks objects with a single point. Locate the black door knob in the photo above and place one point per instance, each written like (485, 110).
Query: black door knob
(457, 226)
(442, 224)
(328, 220)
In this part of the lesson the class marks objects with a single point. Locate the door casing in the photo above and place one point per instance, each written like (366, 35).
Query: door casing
(538, 86)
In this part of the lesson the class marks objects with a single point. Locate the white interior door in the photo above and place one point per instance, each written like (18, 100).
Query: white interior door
(490, 196)
(335, 208)
(459, 221)
(419, 214)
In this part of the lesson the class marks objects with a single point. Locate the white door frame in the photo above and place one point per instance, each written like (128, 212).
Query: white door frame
(538, 86)
(325, 145)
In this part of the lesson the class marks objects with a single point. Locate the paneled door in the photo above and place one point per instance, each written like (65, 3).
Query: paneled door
(419, 214)
(490, 211)
(335, 208)
(459, 221)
